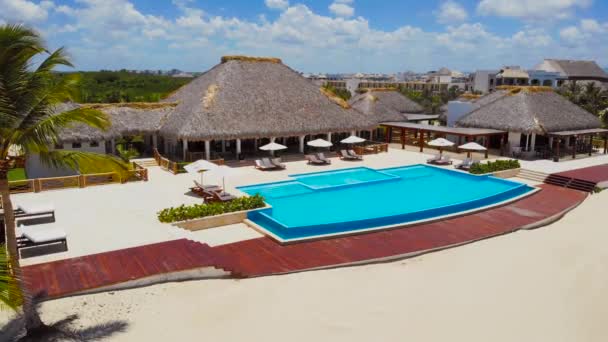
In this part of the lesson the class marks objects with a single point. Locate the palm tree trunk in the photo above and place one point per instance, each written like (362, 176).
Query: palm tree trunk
(30, 314)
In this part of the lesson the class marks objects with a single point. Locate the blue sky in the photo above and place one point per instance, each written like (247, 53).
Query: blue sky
(319, 35)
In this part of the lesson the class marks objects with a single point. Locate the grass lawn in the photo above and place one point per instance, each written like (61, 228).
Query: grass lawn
(16, 175)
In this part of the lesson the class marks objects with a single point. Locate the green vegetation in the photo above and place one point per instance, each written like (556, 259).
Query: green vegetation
(341, 93)
(431, 101)
(589, 97)
(16, 174)
(183, 213)
(29, 90)
(499, 165)
(123, 86)
(10, 295)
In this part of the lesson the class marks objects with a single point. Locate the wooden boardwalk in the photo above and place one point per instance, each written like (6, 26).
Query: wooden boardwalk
(595, 174)
(263, 256)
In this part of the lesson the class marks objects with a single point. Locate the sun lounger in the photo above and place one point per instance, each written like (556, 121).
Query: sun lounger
(322, 158)
(345, 156)
(260, 165)
(434, 159)
(354, 154)
(277, 162)
(312, 159)
(34, 210)
(444, 160)
(465, 165)
(219, 196)
(40, 235)
(200, 189)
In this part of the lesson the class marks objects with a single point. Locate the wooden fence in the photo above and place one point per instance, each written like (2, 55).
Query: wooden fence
(77, 181)
(175, 167)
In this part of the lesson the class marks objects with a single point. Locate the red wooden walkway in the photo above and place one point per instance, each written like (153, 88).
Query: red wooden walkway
(595, 174)
(263, 256)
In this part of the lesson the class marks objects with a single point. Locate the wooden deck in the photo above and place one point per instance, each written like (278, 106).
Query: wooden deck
(263, 256)
(595, 174)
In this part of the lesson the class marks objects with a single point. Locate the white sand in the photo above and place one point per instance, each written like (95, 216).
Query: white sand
(549, 284)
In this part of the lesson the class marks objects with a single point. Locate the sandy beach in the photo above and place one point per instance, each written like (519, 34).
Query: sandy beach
(550, 284)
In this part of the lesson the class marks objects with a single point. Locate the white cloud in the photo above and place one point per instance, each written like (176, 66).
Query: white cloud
(531, 9)
(277, 4)
(451, 12)
(24, 10)
(342, 8)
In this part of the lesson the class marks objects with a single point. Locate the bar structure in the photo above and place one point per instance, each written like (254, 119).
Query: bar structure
(420, 130)
(581, 141)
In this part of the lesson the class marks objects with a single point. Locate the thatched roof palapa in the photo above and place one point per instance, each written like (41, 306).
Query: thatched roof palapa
(533, 110)
(126, 118)
(385, 105)
(253, 97)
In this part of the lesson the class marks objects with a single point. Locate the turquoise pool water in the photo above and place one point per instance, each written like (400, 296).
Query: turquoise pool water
(351, 200)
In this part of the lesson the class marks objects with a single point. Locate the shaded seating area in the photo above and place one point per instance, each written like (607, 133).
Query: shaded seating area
(574, 142)
(349, 155)
(420, 135)
(265, 164)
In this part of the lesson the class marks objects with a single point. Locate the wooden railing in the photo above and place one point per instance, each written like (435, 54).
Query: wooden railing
(372, 148)
(174, 167)
(78, 181)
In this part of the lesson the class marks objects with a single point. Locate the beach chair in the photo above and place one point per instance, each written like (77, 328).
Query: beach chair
(219, 196)
(354, 154)
(277, 162)
(434, 159)
(322, 158)
(260, 165)
(312, 159)
(465, 165)
(200, 189)
(444, 160)
(345, 156)
(35, 210)
(40, 235)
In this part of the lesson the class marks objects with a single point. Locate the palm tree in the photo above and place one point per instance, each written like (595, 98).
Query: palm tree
(10, 295)
(29, 96)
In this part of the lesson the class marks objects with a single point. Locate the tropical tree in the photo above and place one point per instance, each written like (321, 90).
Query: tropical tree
(30, 123)
(10, 295)
(590, 97)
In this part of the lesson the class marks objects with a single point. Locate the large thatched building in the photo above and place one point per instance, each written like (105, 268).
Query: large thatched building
(539, 121)
(240, 103)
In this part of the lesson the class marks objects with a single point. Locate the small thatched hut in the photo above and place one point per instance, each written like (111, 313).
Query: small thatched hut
(371, 105)
(254, 98)
(531, 115)
(387, 98)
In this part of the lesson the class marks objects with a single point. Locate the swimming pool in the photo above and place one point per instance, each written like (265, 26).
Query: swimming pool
(361, 199)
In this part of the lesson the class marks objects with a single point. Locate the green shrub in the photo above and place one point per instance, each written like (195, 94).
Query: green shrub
(190, 212)
(499, 165)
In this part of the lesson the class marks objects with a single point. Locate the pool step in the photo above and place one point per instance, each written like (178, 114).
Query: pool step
(533, 175)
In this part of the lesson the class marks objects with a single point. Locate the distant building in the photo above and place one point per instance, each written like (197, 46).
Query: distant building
(575, 70)
(512, 75)
(545, 78)
(484, 81)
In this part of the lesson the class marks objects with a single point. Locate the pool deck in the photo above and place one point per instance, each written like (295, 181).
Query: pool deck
(184, 259)
(595, 174)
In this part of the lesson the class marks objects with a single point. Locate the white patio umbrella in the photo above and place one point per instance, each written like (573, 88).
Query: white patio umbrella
(223, 171)
(353, 139)
(273, 146)
(200, 166)
(441, 143)
(319, 143)
(472, 147)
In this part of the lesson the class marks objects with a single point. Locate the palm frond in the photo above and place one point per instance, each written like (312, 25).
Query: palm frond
(85, 162)
(10, 294)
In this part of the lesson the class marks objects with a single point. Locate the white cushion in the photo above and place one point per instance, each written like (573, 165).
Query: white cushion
(43, 233)
(37, 208)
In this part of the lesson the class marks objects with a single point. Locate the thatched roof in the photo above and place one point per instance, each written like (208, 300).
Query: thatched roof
(126, 118)
(248, 97)
(390, 98)
(369, 104)
(528, 110)
(574, 68)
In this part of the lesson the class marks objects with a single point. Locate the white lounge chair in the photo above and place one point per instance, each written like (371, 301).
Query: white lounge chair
(444, 160)
(277, 162)
(259, 164)
(40, 235)
(354, 154)
(322, 158)
(345, 155)
(434, 159)
(33, 210)
(312, 159)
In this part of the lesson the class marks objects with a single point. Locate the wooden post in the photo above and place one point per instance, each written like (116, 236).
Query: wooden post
(421, 140)
(386, 136)
(487, 145)
(574, 147)
(403, 138)
(82, 183)
(37, 185)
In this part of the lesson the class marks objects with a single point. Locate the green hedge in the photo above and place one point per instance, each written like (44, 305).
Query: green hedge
(183, 212)
(499, 165)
